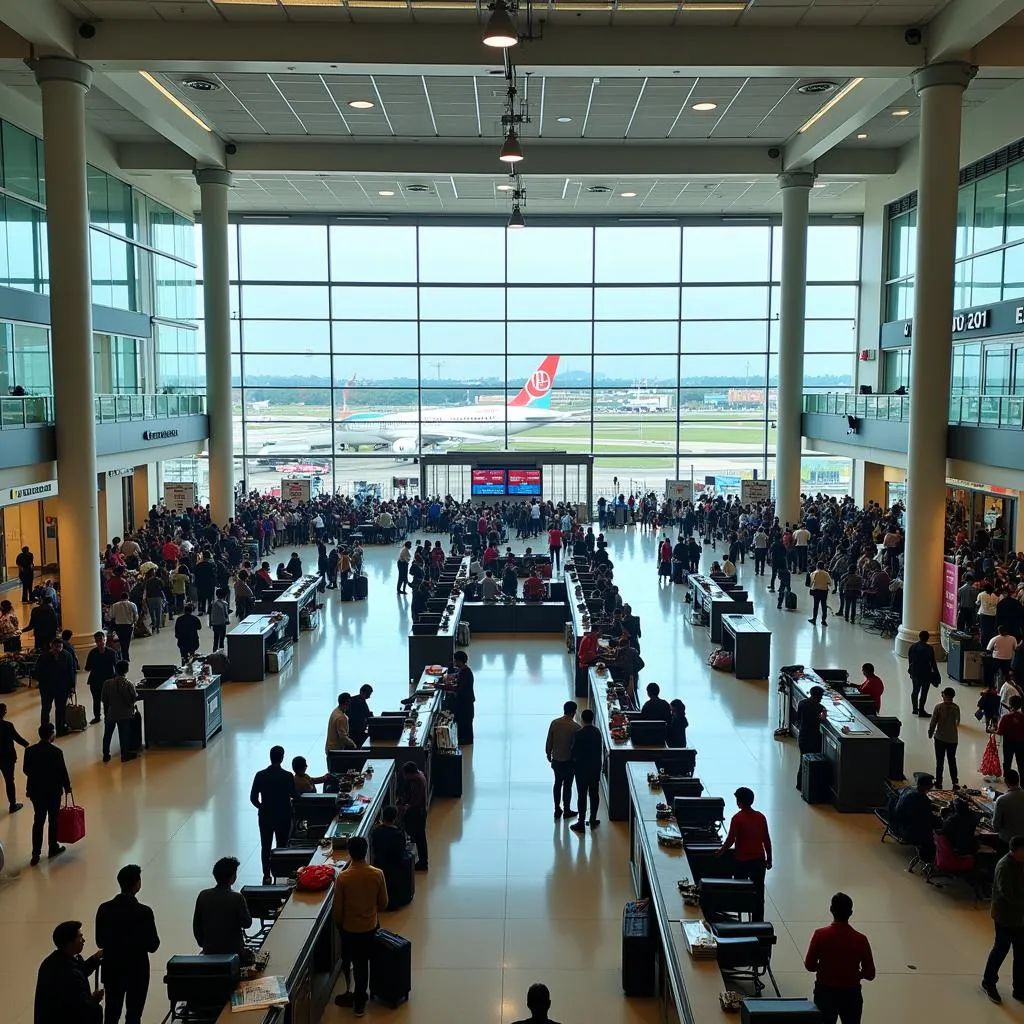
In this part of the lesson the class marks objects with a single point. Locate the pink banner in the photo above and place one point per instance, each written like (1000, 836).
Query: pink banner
(950, 585)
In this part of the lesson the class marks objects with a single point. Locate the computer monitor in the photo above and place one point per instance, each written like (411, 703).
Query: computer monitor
(698, 811)
(648, 732)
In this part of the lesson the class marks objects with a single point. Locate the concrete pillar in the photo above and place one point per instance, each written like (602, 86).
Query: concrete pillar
(64, 83)
(796, 188)
(941, 88)
(213, 186)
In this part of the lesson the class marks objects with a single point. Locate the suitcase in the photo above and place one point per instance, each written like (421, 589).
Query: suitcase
(446, 773)
(75, 716)
(637, 951)
(360, 587)
(463, 634)
(390, 968)
(135, 732)
(8, 677)
(345, 588)
(790, 601)
(401, 882)
(678, 572)
(70, 822)
(814, 778)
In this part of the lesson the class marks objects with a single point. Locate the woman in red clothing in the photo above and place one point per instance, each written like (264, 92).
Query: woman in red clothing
(555, 546)
(748, 833)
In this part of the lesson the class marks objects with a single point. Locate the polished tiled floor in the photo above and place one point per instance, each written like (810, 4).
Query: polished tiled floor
(512, 897)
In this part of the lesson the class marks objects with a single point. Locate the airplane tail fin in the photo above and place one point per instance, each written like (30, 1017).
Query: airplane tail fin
(536, 392)
(344, 393)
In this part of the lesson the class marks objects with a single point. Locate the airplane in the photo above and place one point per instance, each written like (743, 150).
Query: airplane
(398, 430)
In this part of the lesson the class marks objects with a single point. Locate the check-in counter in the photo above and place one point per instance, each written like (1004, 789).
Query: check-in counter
(175, 716)
(293, 601)
(712, 601)
(751, 644)
(248, 643)
(518, 617)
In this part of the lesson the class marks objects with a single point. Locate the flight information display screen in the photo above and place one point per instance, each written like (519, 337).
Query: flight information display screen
(524, 482)
(487, 482)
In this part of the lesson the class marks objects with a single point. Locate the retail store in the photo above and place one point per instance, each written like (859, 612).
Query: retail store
(28, 518)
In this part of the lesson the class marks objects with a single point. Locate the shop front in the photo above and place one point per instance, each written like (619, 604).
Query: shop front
(984, 514)
(28, 519)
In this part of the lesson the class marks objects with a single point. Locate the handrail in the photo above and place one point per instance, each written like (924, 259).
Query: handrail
(964, 410)
(18, 411)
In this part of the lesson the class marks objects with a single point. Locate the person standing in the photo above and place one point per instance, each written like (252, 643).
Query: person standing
(220, 616)
(338, 735)
(272, 792)
(785, 578)
(55, 673)
(821, 584)
(656, 707)
(46, 781)
(923, 672)
(555, 548)
(801, 538)
(404, 558)
(43, 623)
(1008, 919)
(748, 833)
(810, 713)
(412, 802)
(872, 686)
(841, 959)
(124, 614)
(9, 736)
(360, 894)
(221, 915)
(186, 632)
(359, 714)
(943, 729)
(62, 985)
(760, 542)
(126, 932)
(1011, 728)
(465, 697)
(586, 750)
(538, 998)
(1001, 648)
(119, 698)
(558, 750)
(101, 664)
(26, 573)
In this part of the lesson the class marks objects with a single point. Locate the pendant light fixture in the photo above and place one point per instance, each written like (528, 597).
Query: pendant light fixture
(501, 31)
(511, 151)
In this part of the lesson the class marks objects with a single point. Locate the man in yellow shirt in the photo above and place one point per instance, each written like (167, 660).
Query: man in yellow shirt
(360, 894)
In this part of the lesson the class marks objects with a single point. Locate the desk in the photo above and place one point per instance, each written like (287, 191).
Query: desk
(751, 644)
(300, 594)
(521, 617)
(712, 601)
(438, 647)
(178, 716)
(247, 646)
(303, 942)
(857, 750)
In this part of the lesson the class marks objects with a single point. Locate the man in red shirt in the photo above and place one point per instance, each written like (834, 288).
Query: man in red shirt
(748, 832)
(1011, 728)
(841, 958)
(170, 550)
(872, 686)
(588, 651)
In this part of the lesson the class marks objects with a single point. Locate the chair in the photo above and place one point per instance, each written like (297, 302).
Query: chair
(745, 952)
(890, 831)
(949, 863)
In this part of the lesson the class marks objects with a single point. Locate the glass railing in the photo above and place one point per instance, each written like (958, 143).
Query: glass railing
(28, 411)
(122, 408)
(964, 410)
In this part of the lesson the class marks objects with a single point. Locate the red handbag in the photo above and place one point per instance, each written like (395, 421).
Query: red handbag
(315, 877)
(70, 821)
(990, 765)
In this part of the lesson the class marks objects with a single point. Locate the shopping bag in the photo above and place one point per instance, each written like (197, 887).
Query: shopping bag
(70, 821)
(990, 764)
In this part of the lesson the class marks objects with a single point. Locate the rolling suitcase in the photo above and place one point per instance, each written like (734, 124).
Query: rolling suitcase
(360, 588)
(135, 732)
(814, 778)
(75, 716)
(790, 601)
(345, 588)
(401, 882)
(390, 968)
(678, 572)
(637, 951)
(446, 773)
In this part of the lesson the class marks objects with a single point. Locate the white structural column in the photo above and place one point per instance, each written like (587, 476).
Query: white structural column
(213, 186)
(796, 188)
(64, 83)
(941, 88)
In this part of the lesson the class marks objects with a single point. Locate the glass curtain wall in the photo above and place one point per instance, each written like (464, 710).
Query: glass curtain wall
(655, 348)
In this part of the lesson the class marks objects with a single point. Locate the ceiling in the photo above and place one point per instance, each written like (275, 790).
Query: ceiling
(548, 195)
(762, 13)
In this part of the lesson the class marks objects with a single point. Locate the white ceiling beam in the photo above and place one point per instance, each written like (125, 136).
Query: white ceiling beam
(844, 120)
(552, 159)
(131, 91)
(961, 25)
(44, 23)
(312, 48)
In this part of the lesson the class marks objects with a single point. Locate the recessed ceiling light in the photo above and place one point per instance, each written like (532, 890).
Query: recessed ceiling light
(598, 188)
(628, 195)
(821, 184)
(385, 192)
(417, 188)
(902, 112)
(200, 84)
(504, 188)
(817, 88)
(361, 104)
(563, 120)
(702, 107)
(862, 135)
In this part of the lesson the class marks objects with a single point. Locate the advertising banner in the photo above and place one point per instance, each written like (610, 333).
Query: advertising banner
(179, 496)
(679, 490)
(754, 492)
(295, 489)
(950, 585)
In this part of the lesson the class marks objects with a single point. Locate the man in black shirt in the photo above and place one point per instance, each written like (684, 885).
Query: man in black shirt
(915, 818)
(101, 664)
(9, 757)
(62, 985)
(923, 672)
(538, 1002)
(359, 713)
(46, 779)
(809, 713)
(43, 623)
(656, 708)
(126, 932)
(55, 673)
(586, 759)
(272, 791)
(221, 916)
(389, 847)
(465, 698)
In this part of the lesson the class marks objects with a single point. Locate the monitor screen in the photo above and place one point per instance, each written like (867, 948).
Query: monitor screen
(487, 481)
(524, 481)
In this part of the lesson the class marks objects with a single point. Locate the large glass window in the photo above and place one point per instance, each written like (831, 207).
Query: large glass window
(650, 346)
